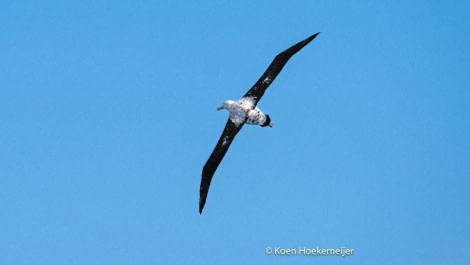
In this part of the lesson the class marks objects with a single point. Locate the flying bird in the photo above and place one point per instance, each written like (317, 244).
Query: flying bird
(244, 111)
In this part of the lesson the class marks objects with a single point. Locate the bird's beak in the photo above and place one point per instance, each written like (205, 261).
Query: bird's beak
(219, 108)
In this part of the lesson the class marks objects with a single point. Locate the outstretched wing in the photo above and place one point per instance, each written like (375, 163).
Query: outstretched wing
(275, 68)
(230, 131)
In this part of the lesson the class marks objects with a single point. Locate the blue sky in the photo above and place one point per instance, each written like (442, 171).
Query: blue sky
(108, 113)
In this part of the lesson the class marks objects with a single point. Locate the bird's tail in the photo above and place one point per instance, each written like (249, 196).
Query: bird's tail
(267, 122)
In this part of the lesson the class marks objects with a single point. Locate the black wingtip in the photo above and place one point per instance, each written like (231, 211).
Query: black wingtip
(309, 39)
(202, 201)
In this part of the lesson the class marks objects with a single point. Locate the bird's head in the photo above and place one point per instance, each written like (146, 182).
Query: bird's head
(226, 104)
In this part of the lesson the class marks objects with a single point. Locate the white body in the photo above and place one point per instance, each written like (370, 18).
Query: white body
(243, 109)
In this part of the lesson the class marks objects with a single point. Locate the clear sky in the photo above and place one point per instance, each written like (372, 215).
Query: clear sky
(108, 113)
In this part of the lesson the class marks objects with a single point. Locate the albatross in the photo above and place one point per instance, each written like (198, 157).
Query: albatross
(245, 111)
